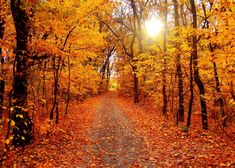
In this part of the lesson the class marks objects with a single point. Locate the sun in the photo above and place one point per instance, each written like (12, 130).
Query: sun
(153, 26)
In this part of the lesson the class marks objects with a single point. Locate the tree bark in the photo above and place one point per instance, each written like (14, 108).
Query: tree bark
(110, 51)
(231, 90)
(44, 83)
(220, 99)
(164, 94)
(216, 75)
(136, 89)
(56, 85)
(190, 107)
(23, 124)
(196, 69)
(180, 111)
(2, 82)
(102, 71)
(2, 88)
(108, 74)
(68, 89)
(57, 113)
(136, 25)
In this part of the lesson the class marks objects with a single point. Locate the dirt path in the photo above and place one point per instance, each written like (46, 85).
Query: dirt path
(115, 144)
(96, 133)
(107, 131)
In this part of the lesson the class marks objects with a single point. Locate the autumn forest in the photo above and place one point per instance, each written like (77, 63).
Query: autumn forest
(117, 83)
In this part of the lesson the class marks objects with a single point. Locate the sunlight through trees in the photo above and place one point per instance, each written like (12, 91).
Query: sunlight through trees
(176, 56)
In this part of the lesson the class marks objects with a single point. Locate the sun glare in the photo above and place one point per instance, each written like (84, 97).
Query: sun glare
(153, 26)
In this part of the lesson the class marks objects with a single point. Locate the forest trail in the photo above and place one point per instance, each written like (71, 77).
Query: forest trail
(111, 131)
(96, 133)
(115, 143)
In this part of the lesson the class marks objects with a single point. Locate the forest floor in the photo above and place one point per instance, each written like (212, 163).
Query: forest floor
(110, 131)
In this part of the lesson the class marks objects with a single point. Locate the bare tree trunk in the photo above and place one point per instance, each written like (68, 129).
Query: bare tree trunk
(23, 124)
(196, 70)
(231, 90)
(171, 93)
(57, 113)
(2, 88)
(102, 71)
(107, 74)
(101, 84)
(110, 51)
(180, 111)
(68, 89)
(56, 85)
(136, 33)
(191, 86)
(136, 89)
(220, 99)
(2, 82)
(44, 82)
(164, 109)
(101, 81)
(191, 91)
(9, 121)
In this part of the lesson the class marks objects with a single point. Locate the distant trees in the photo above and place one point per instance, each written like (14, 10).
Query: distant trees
(184, 50)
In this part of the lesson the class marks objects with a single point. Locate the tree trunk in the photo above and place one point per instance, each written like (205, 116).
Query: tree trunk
(44, 82)
(101, 83)
(110, 51)
(68, 89)
(196, 69)
(7, 146)
(220, 99)
(180, 111)
(2, 88)
(136, 89)
(231, 91)
(171, 93)
(23, 124)
(57, 113)
(2, 82)
(102, 71)
(191, 91)
(135, 34)
(217, 82)
(56, 85)
(164, 109)
(108, 74)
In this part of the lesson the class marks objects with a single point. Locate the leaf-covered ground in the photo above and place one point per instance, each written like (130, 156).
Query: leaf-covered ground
(59, 146)
(170, 146)
(109, 131)
(114, 140)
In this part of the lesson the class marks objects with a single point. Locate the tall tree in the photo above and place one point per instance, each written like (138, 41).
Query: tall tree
(164, 110)
(196, 68)
(2, 82)
(180, 112)
(129, 34)
(23, 124)
(212, 48)
(136, 34)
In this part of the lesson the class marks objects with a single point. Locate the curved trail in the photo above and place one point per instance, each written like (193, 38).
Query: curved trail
(115, 143)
